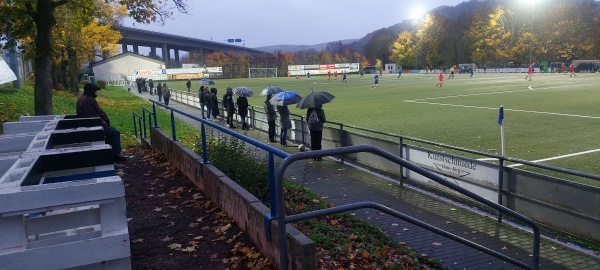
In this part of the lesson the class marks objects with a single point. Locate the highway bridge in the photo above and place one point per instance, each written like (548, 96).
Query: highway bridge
(167, 42)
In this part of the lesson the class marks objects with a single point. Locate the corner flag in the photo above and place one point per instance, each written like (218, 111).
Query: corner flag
(501, 116)
(501, 123)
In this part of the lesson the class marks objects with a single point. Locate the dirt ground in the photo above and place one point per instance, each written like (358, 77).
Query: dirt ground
(172, 225)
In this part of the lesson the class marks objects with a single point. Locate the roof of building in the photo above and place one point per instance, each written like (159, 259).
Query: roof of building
(124, 55)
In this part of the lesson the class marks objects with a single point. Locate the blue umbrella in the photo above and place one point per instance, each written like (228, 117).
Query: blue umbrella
(285, 98)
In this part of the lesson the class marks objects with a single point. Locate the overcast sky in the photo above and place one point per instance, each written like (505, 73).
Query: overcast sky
(289, 22)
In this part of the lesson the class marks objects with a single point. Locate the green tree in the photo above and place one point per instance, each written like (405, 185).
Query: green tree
(33, 20)
(432, 36)
(403, 51)
(378, 46)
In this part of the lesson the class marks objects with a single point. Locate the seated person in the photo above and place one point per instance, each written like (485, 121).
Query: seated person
(87, 107)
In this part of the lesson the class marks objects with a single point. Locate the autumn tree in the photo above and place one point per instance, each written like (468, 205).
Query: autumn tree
(83, 36)
(403, 49)
(34, 20)
(378, 46)
(432, 36)
(568, 31)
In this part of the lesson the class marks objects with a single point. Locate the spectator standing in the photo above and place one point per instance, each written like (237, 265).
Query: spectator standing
(189, 85)
(229, 106)
(159, 92)
(215, 103)
(201, 99)
(87, 106)
(166, 93)
(208, 102)
(242, 108)
(315, 120)
(285, 123)
(151, 86)
(271, 116)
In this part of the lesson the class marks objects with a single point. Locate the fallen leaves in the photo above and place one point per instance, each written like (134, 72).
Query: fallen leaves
(174, 214)
(225, 228)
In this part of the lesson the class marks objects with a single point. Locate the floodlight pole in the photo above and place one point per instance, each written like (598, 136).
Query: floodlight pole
(531, 40)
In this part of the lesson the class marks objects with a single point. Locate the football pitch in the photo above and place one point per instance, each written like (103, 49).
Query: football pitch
(553, 119)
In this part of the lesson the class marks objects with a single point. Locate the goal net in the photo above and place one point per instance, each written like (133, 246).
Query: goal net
(262, 73)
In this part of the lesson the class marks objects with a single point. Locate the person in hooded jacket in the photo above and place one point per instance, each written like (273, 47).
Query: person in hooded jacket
(229, 106)
(159, 91)
(315, 118)
(215, 103)
(271, 117)
(87, 107)
(285, 123)
(242, 107)
(202, 98)
(166, 93)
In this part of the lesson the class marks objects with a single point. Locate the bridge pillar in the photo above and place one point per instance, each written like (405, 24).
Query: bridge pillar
(152, 52)
(124, 48)
(165, 55)
(136, 49)
(177, 62)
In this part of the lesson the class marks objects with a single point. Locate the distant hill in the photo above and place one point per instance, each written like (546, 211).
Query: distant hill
(296, 48)
(462, 10)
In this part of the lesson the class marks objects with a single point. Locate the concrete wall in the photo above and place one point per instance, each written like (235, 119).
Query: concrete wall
(537, 196)
(541, 198)
(243, 207)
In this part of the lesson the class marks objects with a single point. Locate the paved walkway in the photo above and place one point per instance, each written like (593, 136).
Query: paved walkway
(342, 184)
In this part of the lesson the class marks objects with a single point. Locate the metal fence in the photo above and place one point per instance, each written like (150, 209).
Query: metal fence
(276, 196)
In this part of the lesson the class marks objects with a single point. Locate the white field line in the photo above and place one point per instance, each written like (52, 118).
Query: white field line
(530, 88)
(512, 110)
(557, 157)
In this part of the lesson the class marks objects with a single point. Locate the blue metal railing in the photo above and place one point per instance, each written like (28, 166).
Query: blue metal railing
(272, 151)
(282, 220)
(276, 195)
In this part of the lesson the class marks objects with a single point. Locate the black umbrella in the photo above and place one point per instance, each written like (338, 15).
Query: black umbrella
(206, 82)
(314, 99)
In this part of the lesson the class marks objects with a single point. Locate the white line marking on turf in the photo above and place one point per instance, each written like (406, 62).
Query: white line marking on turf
(557, 157)
(513, 110)
(510, 91)
(530, 87)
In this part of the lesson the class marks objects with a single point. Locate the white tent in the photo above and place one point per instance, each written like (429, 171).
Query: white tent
(6, 74)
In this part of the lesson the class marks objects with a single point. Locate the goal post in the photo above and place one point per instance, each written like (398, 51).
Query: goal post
(262, 73)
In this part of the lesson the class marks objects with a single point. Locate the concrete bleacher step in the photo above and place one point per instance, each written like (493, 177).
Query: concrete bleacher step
(62, 203)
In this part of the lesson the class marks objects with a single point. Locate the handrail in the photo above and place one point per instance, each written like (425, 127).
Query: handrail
(462, 149)
(268, 148)
(137, 117)
(282, 220)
